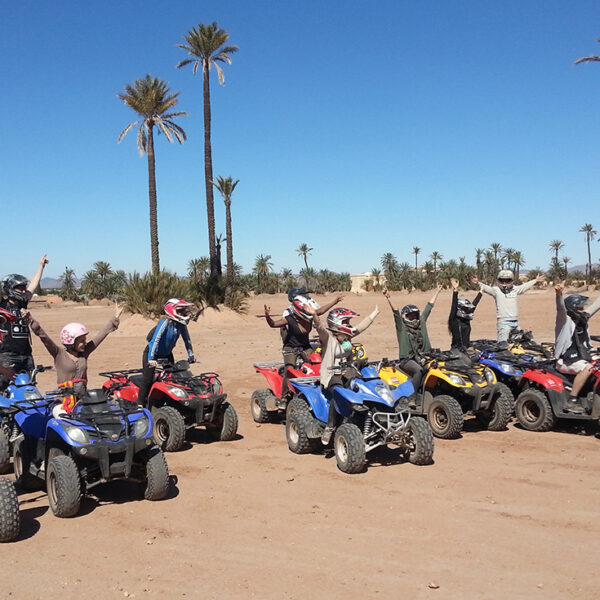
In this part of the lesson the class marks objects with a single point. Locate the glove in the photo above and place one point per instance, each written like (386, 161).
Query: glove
(191, 359)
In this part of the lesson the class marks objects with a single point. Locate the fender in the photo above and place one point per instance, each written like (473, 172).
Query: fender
(311, 390)
(32, 421)
(543, 378)
(273, 378)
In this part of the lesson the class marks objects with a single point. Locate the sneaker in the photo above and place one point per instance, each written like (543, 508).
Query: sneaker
(326, 437)
(573, 406)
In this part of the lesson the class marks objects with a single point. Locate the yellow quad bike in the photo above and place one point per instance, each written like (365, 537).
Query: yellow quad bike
(452, 386)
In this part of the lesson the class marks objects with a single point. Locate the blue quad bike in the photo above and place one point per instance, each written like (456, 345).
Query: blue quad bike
(99, 441)
(369, 414)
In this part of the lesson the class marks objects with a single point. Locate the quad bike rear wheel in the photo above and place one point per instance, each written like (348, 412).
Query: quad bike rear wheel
(4, 450)
(297, 425)
(420, 448)
(297, 403)
(226, 423)
(258, 406)
(534, 411)
(349, 448)
(445, 417)
(156, 484)
(21, 461)
(10, 519)
(169, 428)
(498, 417)
(63, 484)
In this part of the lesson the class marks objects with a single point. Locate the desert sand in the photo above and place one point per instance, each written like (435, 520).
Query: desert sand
(508, 514)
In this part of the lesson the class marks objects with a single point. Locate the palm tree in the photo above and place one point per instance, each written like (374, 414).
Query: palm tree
(518, 262)
(262, 267)
(226, 186)
(151, 99)
(416, 251)
(205, 45)
(435, 257)
(508, 256)
(303, 250)
(198, 268)
(479, 252)
(389, 264)
(68, 291)
(590, 234)
(555, 246)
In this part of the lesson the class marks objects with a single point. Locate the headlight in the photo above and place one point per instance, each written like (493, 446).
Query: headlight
(178, 392)
(508, 368)
(76, 434)
(384, 392)
(489, 376)
(456, 380)
(141, 426)
(33, 396)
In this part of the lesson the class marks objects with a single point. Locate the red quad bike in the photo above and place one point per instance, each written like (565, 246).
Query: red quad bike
(179, 400)
(546, 392)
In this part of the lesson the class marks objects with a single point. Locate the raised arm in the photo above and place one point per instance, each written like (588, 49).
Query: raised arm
(436, 293)
(48, 342)
(270, 321)
(386, 293)
(111, 325)
(454, 305)
(366, 322)
(487, 289)
(319, 326)
(327, 307)
(35, 280)
(521, 289)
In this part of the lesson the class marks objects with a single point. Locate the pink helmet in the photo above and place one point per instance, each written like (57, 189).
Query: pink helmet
(71, 331)
(178, 310)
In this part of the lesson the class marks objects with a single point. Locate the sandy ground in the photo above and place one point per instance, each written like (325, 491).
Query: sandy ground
(507, 514)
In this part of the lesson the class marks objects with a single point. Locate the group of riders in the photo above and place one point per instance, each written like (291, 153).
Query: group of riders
(335, 332)
(572, 343)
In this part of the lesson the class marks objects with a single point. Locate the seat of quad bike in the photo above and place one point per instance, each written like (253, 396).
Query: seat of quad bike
(136, 379)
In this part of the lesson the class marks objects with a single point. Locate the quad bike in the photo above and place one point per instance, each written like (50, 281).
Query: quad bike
(23, 387)
(452, 386)
(369, 414)
(520, 343)
(72, 453)
(179, 400)
(546, 393)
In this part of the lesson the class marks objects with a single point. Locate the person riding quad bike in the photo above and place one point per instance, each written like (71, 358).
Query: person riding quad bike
(15, 343)
(296, 324)
(572, 347)
(459, 321)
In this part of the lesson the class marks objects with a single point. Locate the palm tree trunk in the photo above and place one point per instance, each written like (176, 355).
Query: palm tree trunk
(152, 201)
(208, 173)
(589, 273)
(305, 262)
(229, 286)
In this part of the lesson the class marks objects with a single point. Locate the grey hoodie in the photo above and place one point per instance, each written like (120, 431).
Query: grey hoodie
(506, 303)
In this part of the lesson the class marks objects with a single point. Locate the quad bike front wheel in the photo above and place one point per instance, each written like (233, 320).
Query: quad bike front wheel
(534, 411)
(169, 428)
(498, 417)
(420, 442)
(10, 518)
(445, 417)
(258, 406)
(4, 450)
(226, 423)
(63, 485)
(349, 448)
(156, 484)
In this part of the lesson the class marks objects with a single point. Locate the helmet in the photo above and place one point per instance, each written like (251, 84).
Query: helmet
(411, 316)
(177, 310)
(506, 274)
(573, 304)
(71, 331)
(465, 309)
(13, 281)
(293, 292)
(338, 321)
(299, 304)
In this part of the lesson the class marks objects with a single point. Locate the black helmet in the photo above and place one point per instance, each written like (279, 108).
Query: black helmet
(573, 304)
(293, 292)
(465, 309)
(9, 287)
(411, 316)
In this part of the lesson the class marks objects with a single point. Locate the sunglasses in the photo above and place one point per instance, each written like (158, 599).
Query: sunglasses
(503, 280)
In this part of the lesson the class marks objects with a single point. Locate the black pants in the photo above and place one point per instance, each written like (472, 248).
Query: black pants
(148, 377)
(414, 370)
(19, 363)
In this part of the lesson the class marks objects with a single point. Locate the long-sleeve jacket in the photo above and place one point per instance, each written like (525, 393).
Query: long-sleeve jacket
(565, 326)
(406, 337)
(331, 349)
(460, 329)
(69, 367)
(506, 303)
(164, 338)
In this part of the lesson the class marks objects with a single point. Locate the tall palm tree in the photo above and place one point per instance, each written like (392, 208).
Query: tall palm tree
(435, 257)
(518, 262)
(508, 256)
(416, 251)
(478, 255)
(389, 264)
(198, 268)
(303, 250)
(565, 261)
(590, 234)
(555, 246)
(496, 249)
(150, 98)
(206, 46)
(68, 290)
(225, 186)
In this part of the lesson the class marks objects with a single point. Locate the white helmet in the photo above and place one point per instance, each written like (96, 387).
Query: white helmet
(71, 331)
(178, 310)
(506, 274)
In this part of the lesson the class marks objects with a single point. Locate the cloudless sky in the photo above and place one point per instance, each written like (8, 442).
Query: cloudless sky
(357, 127)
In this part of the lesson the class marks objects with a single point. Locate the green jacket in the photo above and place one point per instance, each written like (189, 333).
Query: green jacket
(406, 336)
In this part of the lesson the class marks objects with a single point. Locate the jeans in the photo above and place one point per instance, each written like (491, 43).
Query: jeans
(505, 328)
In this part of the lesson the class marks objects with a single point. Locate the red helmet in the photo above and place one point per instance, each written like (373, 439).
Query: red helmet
(338, 321)
(298, 307)
(178, 310)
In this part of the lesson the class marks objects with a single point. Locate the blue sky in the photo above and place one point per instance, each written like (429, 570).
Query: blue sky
(357, 127)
